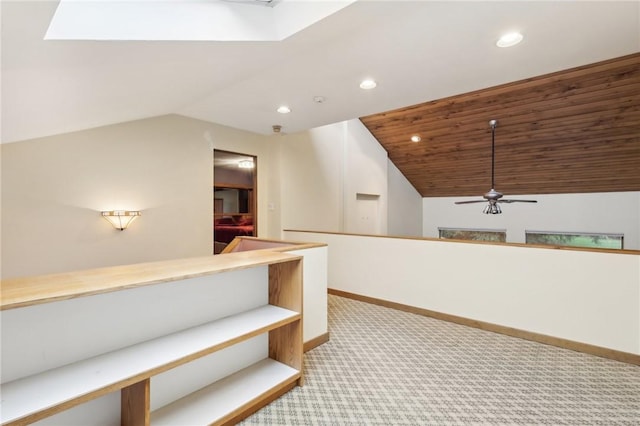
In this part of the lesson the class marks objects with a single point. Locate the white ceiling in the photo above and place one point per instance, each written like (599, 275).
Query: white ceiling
(416, 50)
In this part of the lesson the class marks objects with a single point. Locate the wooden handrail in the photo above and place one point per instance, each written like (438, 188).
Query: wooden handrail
(26, 291)
(496, 243)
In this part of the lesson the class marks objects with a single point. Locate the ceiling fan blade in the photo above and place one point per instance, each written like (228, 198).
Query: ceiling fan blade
(470, 201)
(517, 201)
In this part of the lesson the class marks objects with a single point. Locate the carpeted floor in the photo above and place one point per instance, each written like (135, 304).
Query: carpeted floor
(387, 367)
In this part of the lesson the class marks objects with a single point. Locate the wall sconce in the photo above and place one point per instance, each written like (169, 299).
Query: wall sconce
(120, 219)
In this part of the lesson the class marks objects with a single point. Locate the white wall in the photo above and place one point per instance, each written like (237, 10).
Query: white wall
(365, 174)
(53, 189)
(405, 205)
(613, 212)
(311, 180)
(314, 293)
(583, 296)
(323, 170)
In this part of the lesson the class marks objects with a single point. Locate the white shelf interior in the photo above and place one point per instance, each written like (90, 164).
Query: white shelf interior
(222, 398)
(39, 392)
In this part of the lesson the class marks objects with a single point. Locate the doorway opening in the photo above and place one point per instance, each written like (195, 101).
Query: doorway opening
(234, 197)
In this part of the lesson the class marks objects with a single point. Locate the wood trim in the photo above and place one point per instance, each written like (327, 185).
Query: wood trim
(300, 246)
(316, 341)
(494, 243)
(135, 404)
(231, 246)
(232, 186)
(282, 350)
(495, 328)
(285, 291)
(285, 244)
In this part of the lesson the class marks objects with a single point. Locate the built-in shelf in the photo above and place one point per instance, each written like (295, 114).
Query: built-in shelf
(129, 370)
(217, 403)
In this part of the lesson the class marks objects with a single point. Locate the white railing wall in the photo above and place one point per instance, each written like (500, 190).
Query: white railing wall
(583, 296)
(314, 279)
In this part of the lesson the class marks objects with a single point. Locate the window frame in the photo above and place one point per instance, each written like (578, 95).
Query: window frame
(577, 234)
(501, 232)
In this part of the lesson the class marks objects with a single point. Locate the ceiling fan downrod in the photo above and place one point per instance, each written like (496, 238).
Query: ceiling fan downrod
(493, 197)
(493, 124)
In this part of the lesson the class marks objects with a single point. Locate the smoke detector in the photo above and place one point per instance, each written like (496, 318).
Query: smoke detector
(276, 128)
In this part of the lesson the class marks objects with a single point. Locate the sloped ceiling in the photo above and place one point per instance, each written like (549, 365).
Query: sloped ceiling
(566, 132)
(418, 51)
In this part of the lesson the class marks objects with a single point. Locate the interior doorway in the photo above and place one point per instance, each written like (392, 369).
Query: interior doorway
(234, 197)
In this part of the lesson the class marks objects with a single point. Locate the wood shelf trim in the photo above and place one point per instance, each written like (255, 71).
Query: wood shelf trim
(223, 400)
(27, 291)
(23, 400)
(135, 403)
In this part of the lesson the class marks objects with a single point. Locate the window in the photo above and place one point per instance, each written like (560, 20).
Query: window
(495, 235)
(575, 239)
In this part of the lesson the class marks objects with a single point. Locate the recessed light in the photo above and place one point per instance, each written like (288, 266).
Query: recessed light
(509, 39)
(284, 109)
(416, 138)
(368, 84)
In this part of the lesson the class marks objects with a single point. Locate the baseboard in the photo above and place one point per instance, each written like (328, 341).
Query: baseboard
(315, 342)
(513, 332)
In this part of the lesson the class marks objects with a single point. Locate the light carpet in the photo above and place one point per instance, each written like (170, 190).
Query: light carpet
(388, 367)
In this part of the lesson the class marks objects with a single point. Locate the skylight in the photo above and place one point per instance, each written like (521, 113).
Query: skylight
(255, 2)
(215, 20)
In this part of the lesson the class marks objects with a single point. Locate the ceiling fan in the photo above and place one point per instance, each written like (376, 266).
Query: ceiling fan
(493, 196)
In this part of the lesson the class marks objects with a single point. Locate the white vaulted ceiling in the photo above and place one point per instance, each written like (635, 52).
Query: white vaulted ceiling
(416, 50)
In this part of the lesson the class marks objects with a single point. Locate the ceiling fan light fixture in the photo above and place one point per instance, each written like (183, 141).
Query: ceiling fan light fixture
(492, 208)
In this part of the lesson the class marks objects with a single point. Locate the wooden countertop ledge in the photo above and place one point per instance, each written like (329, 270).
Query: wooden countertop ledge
(27, 291)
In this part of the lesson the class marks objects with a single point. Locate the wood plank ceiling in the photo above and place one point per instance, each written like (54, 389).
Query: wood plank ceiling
(568, 132)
